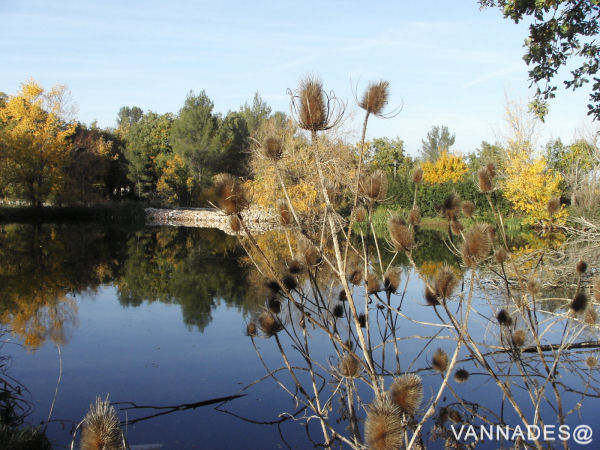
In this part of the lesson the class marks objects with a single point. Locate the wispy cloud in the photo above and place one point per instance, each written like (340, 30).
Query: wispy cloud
(514, 68)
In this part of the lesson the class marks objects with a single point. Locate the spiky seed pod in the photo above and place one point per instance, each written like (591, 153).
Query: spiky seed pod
(349, 366)
(477, 245)
(285, 216)
(431, 297)
(485, 182)
(490, 230)
(454, 415)
(309, 253)
(373, 286)
(235, 224)
(414, 216)
(101, 427)
(295, 267)
(375, 97)
(360, 214)
(383, 426)
(439, 361)
(417, 176)
(391, 280)
(348, 344)
(251, 329)
(273, 148)
(591, 362)
(461, 375)
(406, 392)
(342, 297)
(504, 318)
(374, 187)
(312, 113)
(500, 255)
(491, 169)
(533, 286)
(518, 338)
(273, 286)
(269, 324)
(400, 234)
(591, 316)
(451, 206)
(274, 306)
(338, 310)
(581, 267)
(468, 208)
(290, 282)
(456, 227)
(230, 193)
(579, 303)
(553, 205)
(597, 289)
(445, 281)
(362, 320)
(356, 277)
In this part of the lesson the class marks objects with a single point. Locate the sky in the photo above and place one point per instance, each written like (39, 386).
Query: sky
(448, 63)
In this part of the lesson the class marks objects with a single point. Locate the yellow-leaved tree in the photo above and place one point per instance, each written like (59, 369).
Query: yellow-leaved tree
(34, 134)
(448, 167)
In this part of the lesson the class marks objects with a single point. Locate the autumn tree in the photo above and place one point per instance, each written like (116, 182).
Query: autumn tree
(35, 133)
(448, 167)
(389, 155)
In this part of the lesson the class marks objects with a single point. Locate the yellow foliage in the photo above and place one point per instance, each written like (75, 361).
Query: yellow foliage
(448, 167)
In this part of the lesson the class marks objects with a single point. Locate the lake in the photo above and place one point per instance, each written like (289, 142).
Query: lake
(157, 319)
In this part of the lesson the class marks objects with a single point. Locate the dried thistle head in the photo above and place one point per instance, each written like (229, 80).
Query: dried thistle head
(450, 206)
(342, 297)
(518, 338)
(338, 311)
(439, 361)
(101, 427)
(310, 255)
(360, 214)
(391, 279)
(289, 281)
(274, 305)
(581, 267)
(362, 320)
(375, 97)
(417, 175)
(477, 245)
(454, 415)
(383, 426)
(579, 303)
(285, 216)
(313, 109)
(533, 286)
(553, 205)
(500, 255)
(231, 195)
(456, 227)
(269, 324)
(251, 329)
(445, 281)
(468, 208)
(461, 375)
(431, 297)
(491, 169)
(400, 234)
(295, 267)
(504, 318)
(273, 286)
(414, 216)
(356, 277)
(349, 366)
(485, 182)
(406, 392)
(235, 224)
(373, 285)
(374, 186)
(591, 362)
(273, 148)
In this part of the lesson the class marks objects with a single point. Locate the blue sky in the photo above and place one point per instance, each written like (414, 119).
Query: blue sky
(447, 62)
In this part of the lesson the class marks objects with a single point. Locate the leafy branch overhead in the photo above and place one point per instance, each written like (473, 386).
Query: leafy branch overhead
(561, 32)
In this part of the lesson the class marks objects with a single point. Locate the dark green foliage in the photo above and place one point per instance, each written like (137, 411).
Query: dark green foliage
(230, 145)
(438, 140)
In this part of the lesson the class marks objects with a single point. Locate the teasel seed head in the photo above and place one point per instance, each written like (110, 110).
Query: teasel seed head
(375, 97)
(373, 285)
(504, 318)
(533, 286)
(342, 297)
(445, 281)
(251, 329)
(454, 416)
(439, 362)
(356, 277)
(485, 182)
(101, 427)
(391, 280)
(431, 297)
(414, 216)
(591, 362)
(456, 227)
(417, 175)
(500, 255)
(273, 286)
(309, 253)
(274, 306)
(406, 392)
(477, 245)
(581, 267)
(362, 320)
(231, 195)
(401, 235)
(349, 366)
(450, 206)
(553, 205)
(579, 302)
(235, 224)
(289, 281)
(461, 375)
(468, 208)
(491, 169)
(269, 324)
(295, 267)
(591, 316)
(312, 113)
(338, 311)
(273, 148)
(374, 187)
(518, 338)
(285, 216)
(383, 426)
(360, 214)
